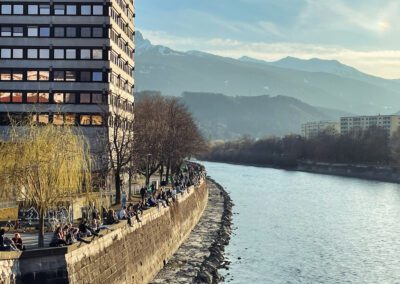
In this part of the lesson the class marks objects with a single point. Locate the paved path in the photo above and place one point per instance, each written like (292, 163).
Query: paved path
(185, 263)
(31, 239)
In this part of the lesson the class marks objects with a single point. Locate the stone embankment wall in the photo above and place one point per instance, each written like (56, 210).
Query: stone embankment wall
(124, 255)
(386, 174)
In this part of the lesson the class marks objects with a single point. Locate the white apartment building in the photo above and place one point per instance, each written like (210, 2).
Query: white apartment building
(388, 122)
(312, 129)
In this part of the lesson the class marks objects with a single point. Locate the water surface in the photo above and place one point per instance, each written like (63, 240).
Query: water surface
(295, 227)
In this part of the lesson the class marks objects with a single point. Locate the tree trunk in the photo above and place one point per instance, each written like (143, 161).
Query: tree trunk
(161, 172)
(130, 184)
(41, 229)
(167, 173)
(117, 187)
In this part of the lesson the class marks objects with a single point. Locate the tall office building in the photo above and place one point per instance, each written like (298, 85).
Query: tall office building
(67, 62)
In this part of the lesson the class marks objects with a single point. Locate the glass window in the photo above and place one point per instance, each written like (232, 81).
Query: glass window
(5, 75)
(17, 97)
(58, 53)
(32, 31)
(97, 54)
(5, 53)
(43, 118)
(97, 98)
(31, 97)
(43, 97)
(18, 31)
(71, 9)
(33, 9)
(85, 98)
(58, 119)
(86, 10)
(85, 32)
(69, 119)
(18, 53)
(59, 75)
(44, 53)
(32, 75)
(44, 76)
(97, 76)
(6, 9)
(58, 98)
(5, 97)
(97, 32)
(59, 9)
(5, 31)
(44, 9)
(71, 32)
(18, 9)
(17, 76)
(70, 75)
(59, 32)
(84, 120)
(32, 53)
(97, 10)
(69, 98)
(44, 32)
(85, 76)
(70, 54)
(85, 53)
(97, 120)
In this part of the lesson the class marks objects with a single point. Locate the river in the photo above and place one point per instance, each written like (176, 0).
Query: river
(294, 227)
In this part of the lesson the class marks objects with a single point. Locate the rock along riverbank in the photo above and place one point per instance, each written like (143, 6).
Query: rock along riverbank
(202, 254)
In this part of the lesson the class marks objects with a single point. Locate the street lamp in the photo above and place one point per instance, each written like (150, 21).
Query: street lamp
(148, 170)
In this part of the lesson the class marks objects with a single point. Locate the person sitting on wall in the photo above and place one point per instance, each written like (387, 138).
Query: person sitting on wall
(5, 243)
(161, 200)
(58, 238)
(71, 235)
(112, 217)
(151, 202)
(85, 230)
(122, 215)
(173, 194)
(17, 240)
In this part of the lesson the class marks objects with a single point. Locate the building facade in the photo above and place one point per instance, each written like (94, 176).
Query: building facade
(312, 129)
(390, 123)
(68, 62)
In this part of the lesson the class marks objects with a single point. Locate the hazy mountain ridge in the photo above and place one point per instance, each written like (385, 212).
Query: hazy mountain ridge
(173, 72)
(224, 117)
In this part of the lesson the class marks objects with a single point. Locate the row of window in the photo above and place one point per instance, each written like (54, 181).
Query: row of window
(56, 9)
(56, 119)
(120, 82)
(120, 103)
(56, 31)
(33, 97)
(121, 63)
(128, 12)
(124, 26)
(122, 44)
(55, 53)
(54, 75)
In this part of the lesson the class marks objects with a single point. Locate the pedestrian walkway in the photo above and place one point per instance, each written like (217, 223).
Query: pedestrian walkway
(31, 239)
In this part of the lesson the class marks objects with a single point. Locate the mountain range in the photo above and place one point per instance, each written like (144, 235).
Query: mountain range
(320, 83)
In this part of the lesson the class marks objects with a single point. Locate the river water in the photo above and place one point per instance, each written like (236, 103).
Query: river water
(295, 227)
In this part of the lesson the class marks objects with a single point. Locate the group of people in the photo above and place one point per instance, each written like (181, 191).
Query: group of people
(13, 244)
(68, 234)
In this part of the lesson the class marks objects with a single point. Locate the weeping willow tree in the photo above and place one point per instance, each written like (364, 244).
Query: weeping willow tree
(44, 165)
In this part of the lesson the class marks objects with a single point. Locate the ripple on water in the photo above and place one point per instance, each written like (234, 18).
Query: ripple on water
(308, 228)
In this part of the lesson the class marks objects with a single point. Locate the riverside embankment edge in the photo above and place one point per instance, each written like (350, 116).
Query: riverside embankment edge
(202, 254)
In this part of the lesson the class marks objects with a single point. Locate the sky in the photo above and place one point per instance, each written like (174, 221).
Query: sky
(364, 34)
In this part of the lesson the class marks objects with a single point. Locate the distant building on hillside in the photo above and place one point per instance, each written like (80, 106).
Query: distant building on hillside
(388, 122)
(312, 129)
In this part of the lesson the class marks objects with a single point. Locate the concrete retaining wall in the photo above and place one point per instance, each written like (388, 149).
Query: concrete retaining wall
(124, 255)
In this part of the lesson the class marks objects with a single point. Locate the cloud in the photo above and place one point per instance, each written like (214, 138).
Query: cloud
(383, 63)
